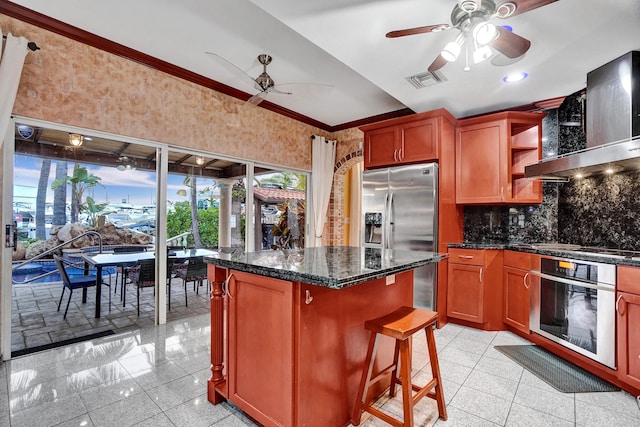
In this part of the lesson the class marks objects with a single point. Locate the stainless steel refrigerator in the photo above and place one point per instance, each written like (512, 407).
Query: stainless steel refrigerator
(400, 211)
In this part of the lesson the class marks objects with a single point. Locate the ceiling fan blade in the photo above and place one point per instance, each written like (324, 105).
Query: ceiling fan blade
(305, 89)
(236, 71)
(510, 44)
(418, 30)
(257, 98)
(437, 64)
(521, 6)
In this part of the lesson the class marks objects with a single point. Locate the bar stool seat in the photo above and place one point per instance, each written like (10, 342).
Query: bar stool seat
(400, 325)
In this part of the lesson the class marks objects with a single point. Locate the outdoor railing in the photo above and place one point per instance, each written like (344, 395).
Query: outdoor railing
(50, 251)
(179, 240)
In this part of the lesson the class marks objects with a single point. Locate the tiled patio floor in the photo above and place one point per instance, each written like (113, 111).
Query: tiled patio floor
(35, 320)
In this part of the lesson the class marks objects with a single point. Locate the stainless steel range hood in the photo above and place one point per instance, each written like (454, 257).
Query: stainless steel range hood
(613, 124)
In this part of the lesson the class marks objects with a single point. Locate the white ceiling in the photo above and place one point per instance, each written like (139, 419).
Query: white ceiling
(342, 43)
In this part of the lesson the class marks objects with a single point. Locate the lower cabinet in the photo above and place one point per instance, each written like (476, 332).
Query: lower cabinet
(628, 319)
(517, 284)
(261, 323)
(295, 351)
(474, 289)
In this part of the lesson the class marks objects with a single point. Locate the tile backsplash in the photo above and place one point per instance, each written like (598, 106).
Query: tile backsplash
(596, 211)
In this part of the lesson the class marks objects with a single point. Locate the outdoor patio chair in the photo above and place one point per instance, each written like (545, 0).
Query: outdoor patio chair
(193, 270)
(77, 282)
(123, 270)
(143, 275)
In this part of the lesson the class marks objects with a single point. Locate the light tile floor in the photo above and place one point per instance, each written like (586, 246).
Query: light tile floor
(35, 320)
(156, 376)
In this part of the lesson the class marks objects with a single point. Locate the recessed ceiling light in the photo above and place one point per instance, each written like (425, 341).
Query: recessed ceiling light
(609, 171)
(515, 77)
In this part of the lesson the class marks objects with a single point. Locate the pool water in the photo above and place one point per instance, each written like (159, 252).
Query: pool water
(34, 269)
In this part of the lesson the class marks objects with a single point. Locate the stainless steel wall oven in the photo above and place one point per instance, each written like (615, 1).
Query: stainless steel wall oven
(574, 305)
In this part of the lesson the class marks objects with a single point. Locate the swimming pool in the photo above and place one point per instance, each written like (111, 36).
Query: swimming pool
(33, 269)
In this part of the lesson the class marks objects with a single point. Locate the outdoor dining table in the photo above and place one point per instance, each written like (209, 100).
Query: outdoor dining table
(107, 259)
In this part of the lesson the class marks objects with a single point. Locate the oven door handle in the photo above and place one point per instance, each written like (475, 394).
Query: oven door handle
(608, 288)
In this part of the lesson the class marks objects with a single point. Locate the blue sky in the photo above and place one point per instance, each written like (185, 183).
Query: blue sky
(135, 186)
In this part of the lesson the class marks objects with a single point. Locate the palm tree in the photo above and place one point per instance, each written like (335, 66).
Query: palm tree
(80, 181)
(41, 199)
(60, 195)
(190, 181)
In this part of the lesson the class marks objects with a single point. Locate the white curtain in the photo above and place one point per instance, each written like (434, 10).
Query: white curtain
(355, 203)
(323, 158)
(15, 51)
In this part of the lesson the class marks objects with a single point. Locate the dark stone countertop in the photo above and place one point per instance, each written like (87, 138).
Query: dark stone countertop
(329, 266)
(541, 250)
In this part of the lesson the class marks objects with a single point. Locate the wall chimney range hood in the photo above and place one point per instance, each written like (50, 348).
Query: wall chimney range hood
(613, 124)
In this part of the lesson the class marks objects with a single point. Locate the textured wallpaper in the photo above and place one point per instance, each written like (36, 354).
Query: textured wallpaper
(72, 83)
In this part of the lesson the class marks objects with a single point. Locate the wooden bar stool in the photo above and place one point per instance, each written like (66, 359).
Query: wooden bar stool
(400, 325)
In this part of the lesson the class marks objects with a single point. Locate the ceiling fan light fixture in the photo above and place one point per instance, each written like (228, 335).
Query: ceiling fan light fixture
(484, 32)
(451, 50)
(482, 53)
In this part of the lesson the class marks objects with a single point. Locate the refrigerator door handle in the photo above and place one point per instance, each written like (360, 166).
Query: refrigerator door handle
(385, 228)
(390, 223)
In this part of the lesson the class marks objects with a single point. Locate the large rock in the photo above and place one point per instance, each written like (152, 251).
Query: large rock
(62, 234)
(19, 253)
(41, 246)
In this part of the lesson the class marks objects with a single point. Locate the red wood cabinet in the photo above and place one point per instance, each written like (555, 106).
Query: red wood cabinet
(517, 283)
(412, 142)
(261, 323)
(474, 291)
(293, 352)
(628, 319)
(491, 153)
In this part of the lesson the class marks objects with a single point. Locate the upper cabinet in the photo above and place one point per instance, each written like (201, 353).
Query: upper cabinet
(491, 153)
(411, 139)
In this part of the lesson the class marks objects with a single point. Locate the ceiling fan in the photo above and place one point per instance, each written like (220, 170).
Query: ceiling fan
(264, 84)
(471, 19)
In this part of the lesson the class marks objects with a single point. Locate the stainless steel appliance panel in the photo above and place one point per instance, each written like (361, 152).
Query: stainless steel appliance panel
(412, 202)
(573, 304)
(399, 211)
(375, 194)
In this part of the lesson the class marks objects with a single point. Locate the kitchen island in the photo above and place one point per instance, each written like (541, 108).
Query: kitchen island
(287, 328)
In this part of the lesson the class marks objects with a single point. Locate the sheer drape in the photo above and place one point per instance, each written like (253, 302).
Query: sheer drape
(323, 157)
(15, 51)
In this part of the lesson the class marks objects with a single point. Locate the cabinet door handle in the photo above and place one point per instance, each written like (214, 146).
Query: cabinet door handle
(524, 280)
(618, 305)
(481, 274)
(395, 155)
(402, 153)
(226, 285)
(465, 256)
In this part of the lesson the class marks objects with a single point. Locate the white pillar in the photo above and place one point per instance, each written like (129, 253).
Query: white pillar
(224, 220)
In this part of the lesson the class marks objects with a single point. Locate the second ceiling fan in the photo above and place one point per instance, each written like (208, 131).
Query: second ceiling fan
(471, 19)
(264, 84)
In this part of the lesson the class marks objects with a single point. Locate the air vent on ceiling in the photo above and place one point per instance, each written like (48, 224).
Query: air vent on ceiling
(426, 79)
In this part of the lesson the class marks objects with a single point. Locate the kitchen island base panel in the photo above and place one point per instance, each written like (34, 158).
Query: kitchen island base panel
(325, 354)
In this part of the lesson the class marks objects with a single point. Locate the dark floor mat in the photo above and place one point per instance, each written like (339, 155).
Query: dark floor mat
(558, 373)
(89, 337)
